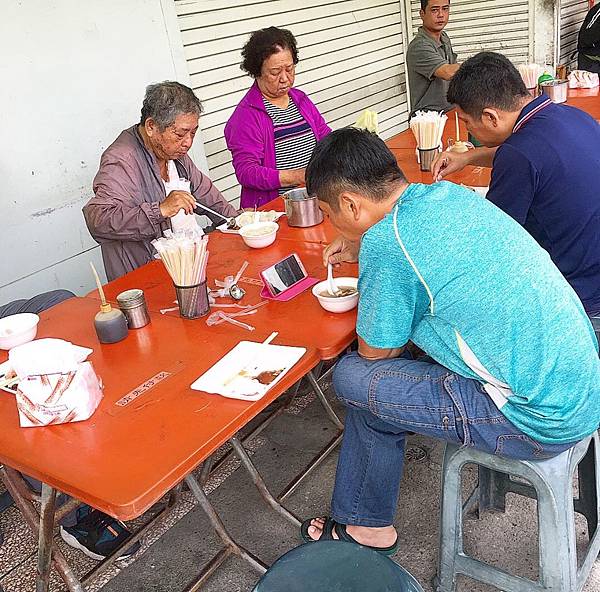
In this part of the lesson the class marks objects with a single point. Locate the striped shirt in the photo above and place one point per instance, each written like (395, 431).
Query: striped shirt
(294, 138)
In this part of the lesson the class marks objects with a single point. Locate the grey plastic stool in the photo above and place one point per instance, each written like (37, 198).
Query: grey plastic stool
(552, 485)
(336, 566)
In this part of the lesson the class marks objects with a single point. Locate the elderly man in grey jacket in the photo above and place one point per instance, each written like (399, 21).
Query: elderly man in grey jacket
(133, 201)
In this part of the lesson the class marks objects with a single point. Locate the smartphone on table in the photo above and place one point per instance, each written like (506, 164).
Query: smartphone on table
(286, 276)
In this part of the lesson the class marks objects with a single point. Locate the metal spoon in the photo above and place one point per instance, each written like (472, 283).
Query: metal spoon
(230, 221)
(331, 287)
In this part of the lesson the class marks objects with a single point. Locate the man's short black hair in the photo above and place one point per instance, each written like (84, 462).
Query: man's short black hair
(487, 79)
(425, 4)
(353, 160)
(263, 44)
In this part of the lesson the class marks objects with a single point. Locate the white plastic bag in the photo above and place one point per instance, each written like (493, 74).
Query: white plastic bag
(56, 385)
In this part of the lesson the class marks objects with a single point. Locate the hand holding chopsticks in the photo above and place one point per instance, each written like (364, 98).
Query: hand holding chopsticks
(176, 201)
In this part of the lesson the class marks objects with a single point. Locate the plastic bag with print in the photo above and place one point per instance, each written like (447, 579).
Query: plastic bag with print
(56, 385)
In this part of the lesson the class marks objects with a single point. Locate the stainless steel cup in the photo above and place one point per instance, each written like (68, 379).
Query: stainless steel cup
(426, 157)
(133, 305)
(302, 210)
(556, 90)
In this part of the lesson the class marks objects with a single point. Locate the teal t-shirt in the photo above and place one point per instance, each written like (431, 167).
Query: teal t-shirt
(468, 285)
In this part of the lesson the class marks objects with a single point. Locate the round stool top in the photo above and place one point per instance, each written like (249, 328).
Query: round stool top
(336, 566)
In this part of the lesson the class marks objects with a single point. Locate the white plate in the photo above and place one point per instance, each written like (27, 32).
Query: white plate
(236, 374)
(223, 227)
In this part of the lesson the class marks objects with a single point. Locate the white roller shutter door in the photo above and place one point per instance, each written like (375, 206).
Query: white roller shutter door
(572, 14)
(485, 25)
(351, 59)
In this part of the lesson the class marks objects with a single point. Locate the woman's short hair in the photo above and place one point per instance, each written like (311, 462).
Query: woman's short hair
(166, 100)
(265, 43)
(352, 160)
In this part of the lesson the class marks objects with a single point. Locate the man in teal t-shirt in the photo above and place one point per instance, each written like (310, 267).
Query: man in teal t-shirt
(512, 365)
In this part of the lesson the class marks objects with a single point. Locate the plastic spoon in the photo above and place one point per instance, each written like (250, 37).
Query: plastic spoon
(331, 287)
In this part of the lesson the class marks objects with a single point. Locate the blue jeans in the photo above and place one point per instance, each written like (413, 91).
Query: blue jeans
(387, 398)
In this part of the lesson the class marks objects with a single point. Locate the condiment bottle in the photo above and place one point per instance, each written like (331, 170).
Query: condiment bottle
(110, 323)
(133, 305)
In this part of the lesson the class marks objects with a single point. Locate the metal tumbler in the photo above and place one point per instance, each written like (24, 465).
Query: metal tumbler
(133, 305)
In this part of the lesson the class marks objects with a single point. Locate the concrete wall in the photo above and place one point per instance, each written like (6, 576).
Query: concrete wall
(73, 76)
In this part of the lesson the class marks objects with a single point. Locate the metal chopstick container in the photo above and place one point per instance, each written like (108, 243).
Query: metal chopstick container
(133, 305)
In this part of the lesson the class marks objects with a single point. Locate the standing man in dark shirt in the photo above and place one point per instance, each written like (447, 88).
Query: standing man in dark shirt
(545, 161)
(430, 59)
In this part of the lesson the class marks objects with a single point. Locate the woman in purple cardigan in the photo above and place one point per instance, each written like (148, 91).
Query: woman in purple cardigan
(274, 129)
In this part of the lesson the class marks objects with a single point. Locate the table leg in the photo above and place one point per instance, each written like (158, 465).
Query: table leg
(231, 547)
(20, 492)
(45, 538)
(259, 482)
(314, 463)
(323, 399)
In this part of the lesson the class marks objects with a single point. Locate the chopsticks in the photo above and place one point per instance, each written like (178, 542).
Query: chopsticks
(428, 127)
(185, 258)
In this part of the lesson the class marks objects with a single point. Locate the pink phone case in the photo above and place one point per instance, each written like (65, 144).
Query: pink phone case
(292, 291)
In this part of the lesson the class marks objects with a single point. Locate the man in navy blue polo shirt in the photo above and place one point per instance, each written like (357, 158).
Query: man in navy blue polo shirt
(545, 161)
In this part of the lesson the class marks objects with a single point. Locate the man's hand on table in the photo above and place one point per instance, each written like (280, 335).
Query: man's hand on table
(175, 201)
(447, 163)
(341, 250)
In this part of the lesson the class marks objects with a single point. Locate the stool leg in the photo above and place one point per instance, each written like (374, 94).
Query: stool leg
(451, 534)
(556, 524)
(492, 490)
(587, 503)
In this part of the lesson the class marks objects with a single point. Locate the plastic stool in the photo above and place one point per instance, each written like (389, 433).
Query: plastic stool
(336, 565)
(552, 484)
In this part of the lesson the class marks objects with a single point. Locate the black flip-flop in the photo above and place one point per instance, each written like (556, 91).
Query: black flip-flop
(332, 525)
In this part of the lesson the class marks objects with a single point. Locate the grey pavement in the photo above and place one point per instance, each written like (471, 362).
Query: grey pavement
(174, 552)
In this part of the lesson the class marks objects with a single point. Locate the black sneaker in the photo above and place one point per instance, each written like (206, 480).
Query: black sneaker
(97, 534)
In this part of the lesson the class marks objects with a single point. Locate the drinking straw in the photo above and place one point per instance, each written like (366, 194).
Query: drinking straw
(457, 128)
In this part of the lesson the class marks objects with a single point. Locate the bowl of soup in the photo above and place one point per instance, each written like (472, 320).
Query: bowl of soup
(345, 299)
(259, 234)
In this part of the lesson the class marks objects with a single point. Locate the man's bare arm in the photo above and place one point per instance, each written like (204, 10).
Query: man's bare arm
(374, 353)
(447, 71)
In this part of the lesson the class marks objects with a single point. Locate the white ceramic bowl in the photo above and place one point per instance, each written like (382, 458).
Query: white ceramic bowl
(18, 329)
(332, 304)
(258, 241)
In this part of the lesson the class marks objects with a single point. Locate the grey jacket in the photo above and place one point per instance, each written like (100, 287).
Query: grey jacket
(124, 214)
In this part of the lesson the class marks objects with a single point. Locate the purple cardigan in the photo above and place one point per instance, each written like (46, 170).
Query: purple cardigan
(250, 137)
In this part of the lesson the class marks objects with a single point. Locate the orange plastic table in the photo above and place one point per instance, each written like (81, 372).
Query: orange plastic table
(300, 321)
(125, 458)
(586, 99)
